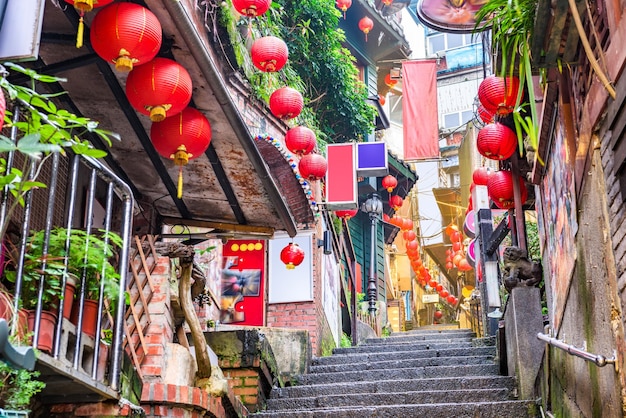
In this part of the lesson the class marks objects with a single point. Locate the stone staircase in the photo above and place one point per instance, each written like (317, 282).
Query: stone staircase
(420, 373)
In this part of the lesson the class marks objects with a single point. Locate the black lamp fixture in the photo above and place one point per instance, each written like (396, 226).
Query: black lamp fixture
(373, 206)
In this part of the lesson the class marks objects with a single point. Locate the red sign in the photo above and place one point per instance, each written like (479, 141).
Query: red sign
(341, 182)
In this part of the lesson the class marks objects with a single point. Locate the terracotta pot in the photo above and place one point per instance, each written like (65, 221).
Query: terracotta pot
(46, 329)
(68, 299)
(90, 316)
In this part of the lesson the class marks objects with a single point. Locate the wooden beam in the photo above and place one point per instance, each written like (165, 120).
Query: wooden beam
(220, 227)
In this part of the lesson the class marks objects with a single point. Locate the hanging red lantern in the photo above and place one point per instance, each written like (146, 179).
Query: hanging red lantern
(457, 259)
(439, 288)
(455, 236)
(407, 224)
(366, 24)
(464, 265)
(286, 103)
(346, 214)
(500, 189)
(412, 253)
(390, 82)
(269, 54)
(433, 283)
(389, 183)
(395, 202)
(182, 137)
(313, 167)
(387, 2)
(438, 314)
(487, 116)
(456, 246)
(480, 176)
(382, 100)
(292, 255)
(82, 7)
(499, 94)
(451, 300)
(444, 293)
(409, 235)
(344, 5)
(413, 245)
(496, 141)
(160, 88)
(451, 228)
(252, 8)
(300, 140)
(126, 34)
(386, 218)
(449, 265)
(396, 221)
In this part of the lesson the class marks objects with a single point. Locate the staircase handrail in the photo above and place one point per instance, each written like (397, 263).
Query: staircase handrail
(597, 359)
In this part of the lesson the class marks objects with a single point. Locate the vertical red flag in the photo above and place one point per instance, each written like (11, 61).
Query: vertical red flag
(419, 109)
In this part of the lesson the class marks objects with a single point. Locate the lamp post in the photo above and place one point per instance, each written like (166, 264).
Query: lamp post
(373, 206)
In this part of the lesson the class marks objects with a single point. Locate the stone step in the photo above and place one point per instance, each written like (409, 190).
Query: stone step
(417, 339)
(402, 355)
(402, 364)
(396, 374)
(424, 345)
(395, 386)
(398, 398)
(503, 409)
(417, 336)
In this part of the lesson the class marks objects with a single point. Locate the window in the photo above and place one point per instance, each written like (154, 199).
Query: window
(438, 43)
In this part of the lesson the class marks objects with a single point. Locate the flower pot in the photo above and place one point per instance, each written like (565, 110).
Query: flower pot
(68, 298)
(46, 329)
(90, 316)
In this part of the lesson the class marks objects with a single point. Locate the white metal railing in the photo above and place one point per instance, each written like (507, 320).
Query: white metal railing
(597, 359)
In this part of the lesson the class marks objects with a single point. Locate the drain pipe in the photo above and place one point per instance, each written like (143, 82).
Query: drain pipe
(198, 49)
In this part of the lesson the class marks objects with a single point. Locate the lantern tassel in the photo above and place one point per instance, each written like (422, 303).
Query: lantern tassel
(80, 33)
(180, 182)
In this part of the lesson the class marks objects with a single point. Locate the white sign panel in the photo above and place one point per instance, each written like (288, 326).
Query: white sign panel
(430, 298)
(21, 29)
(290, 285)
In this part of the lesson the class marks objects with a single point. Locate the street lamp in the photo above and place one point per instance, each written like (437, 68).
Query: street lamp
(373, 206)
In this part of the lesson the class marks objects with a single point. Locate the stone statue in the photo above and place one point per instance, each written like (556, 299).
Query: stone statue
(519, 270)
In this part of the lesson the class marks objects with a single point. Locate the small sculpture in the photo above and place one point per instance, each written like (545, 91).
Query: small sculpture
(519, 270)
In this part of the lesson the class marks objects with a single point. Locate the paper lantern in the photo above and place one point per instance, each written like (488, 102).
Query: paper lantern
(444, 293)
(159, 89)
(451, 300)
(312, 167)
(300, 140)
(126, 34)
(182, 137)
(496, 141)
(252, 8)
(82, 7)
(480, 176)
(487, 116)
(387, 2)
(409, 235)
(269, 54)
(500, 189)
(365, 25)
(407, 224)
(395, 202)
(346, 214)
(292, 255)
(432, 283)
(499, 94)
(390, 82)
(286, 103)
(389, 183)
(438, 314)
(344, 5)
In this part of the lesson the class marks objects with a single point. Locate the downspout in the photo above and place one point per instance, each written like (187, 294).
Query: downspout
(198, 49)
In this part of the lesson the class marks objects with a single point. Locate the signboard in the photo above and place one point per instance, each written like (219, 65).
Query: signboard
(290, 285)
(341, 182)
(430, 298)
(20, 29)
(371, 159)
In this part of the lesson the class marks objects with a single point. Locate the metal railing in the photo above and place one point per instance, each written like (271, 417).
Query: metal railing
(597, 359)
(79, 190)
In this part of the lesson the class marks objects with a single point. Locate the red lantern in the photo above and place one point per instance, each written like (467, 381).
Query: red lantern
(382, 100)
(438, 314)
(269, 54)
(390, 82)
(182, 137)
(160, 88)
(344, 5)
(449, 265)
(412, 245)
(439, 288)
(496, 141)
(457, 259)
(292, 255)
(464, 265)
(387, 2)
(451, 300)
(286, 103)
(407, 224)
(395, 202)
(82, 7)
(481, 176)
(300, 140)
(126, 34)
(487, 116)
(455, 236)
(386, 218)
(451, 228)
(432, 283)
(313, 167)
(409, 235)
(389, 182)
(444, 293)
(366, 24)
(346, 214)
(252, 8)
(499, 94)
(500, 188)
(456, 246)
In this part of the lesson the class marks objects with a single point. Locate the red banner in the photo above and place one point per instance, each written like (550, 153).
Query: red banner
(419, 109)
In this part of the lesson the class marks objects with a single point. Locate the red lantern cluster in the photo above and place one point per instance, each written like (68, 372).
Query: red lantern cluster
(312, 167)
(366, 25)
(496, 141)
(252, 8)
(126, 34)
(389, 183)
(498, 95)
(286, 103)
(160, 88)
(269, 54)
(455, 257)
(292, 255)
(500, 189)
(344, 5)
